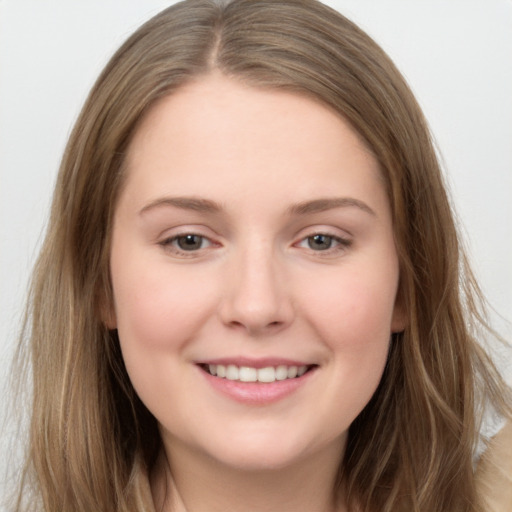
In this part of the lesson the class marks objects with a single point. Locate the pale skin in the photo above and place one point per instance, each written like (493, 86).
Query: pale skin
(253, 227)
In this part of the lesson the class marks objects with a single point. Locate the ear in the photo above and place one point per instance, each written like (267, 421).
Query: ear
(400, 318)
(106, 309)
(108, 317)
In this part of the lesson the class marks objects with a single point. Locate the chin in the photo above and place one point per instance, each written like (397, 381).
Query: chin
(278, 453)
(256, 463)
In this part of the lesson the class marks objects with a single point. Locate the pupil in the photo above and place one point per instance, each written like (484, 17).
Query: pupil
(190, 242)
(320, 242)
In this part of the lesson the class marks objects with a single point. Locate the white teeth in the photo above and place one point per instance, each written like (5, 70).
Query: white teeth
(232, 372)
(292, 372)
(266, 374)
(248, 374)
(281, 372)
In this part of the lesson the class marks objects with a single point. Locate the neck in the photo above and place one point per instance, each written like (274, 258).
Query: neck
(184, 483)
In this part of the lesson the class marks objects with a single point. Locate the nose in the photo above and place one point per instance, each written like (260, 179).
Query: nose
(256, 296)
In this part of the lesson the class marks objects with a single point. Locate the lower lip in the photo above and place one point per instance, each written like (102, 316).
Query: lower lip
(257, 393)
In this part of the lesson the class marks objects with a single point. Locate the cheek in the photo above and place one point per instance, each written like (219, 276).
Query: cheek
(158, 313)
(157, 309)
(358, 311)
(358, 339)
(353, 320)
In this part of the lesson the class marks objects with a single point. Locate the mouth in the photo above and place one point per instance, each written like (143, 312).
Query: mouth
(266, 375)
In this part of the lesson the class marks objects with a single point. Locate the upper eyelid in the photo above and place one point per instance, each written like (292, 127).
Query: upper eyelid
(326, 233)
(193, 229)
(333, 231)
(345, 242)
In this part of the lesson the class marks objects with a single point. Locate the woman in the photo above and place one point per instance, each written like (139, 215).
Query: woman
(254, 115)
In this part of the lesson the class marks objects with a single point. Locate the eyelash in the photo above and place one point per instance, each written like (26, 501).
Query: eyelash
(170, 244)
(341, 243)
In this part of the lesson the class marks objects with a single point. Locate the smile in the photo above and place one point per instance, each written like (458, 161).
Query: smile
(249, 374)
(257, 382)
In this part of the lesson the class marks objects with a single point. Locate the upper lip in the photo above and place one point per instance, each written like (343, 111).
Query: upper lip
(254, 362)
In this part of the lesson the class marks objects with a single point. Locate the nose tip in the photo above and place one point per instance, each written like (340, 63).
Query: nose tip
(256, 300)
(255, 323)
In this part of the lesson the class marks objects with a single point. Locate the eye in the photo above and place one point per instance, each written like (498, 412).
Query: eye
(320, 242)
(323, 242)
(186, 243)
(190, 242)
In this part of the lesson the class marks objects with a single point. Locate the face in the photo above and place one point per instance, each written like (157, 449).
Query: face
(254, 274)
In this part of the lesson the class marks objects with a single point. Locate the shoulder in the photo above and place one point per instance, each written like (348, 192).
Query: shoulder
(494, 471)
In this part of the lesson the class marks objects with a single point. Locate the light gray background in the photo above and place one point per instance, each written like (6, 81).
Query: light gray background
(456, 54)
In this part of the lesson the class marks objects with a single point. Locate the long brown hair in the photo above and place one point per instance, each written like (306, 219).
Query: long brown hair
(92, 442)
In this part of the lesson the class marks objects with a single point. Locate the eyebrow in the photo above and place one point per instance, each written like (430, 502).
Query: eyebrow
(303, 208)
(323, 204)
(185, 203)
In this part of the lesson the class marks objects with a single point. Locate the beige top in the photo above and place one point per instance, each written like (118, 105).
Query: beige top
(494, 471)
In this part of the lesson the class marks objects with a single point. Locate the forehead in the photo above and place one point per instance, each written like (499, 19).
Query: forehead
(217, 131)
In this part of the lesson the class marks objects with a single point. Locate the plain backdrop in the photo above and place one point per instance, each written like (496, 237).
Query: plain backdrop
(455, 54)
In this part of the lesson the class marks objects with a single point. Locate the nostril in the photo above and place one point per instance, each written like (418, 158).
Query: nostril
(255, 328)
